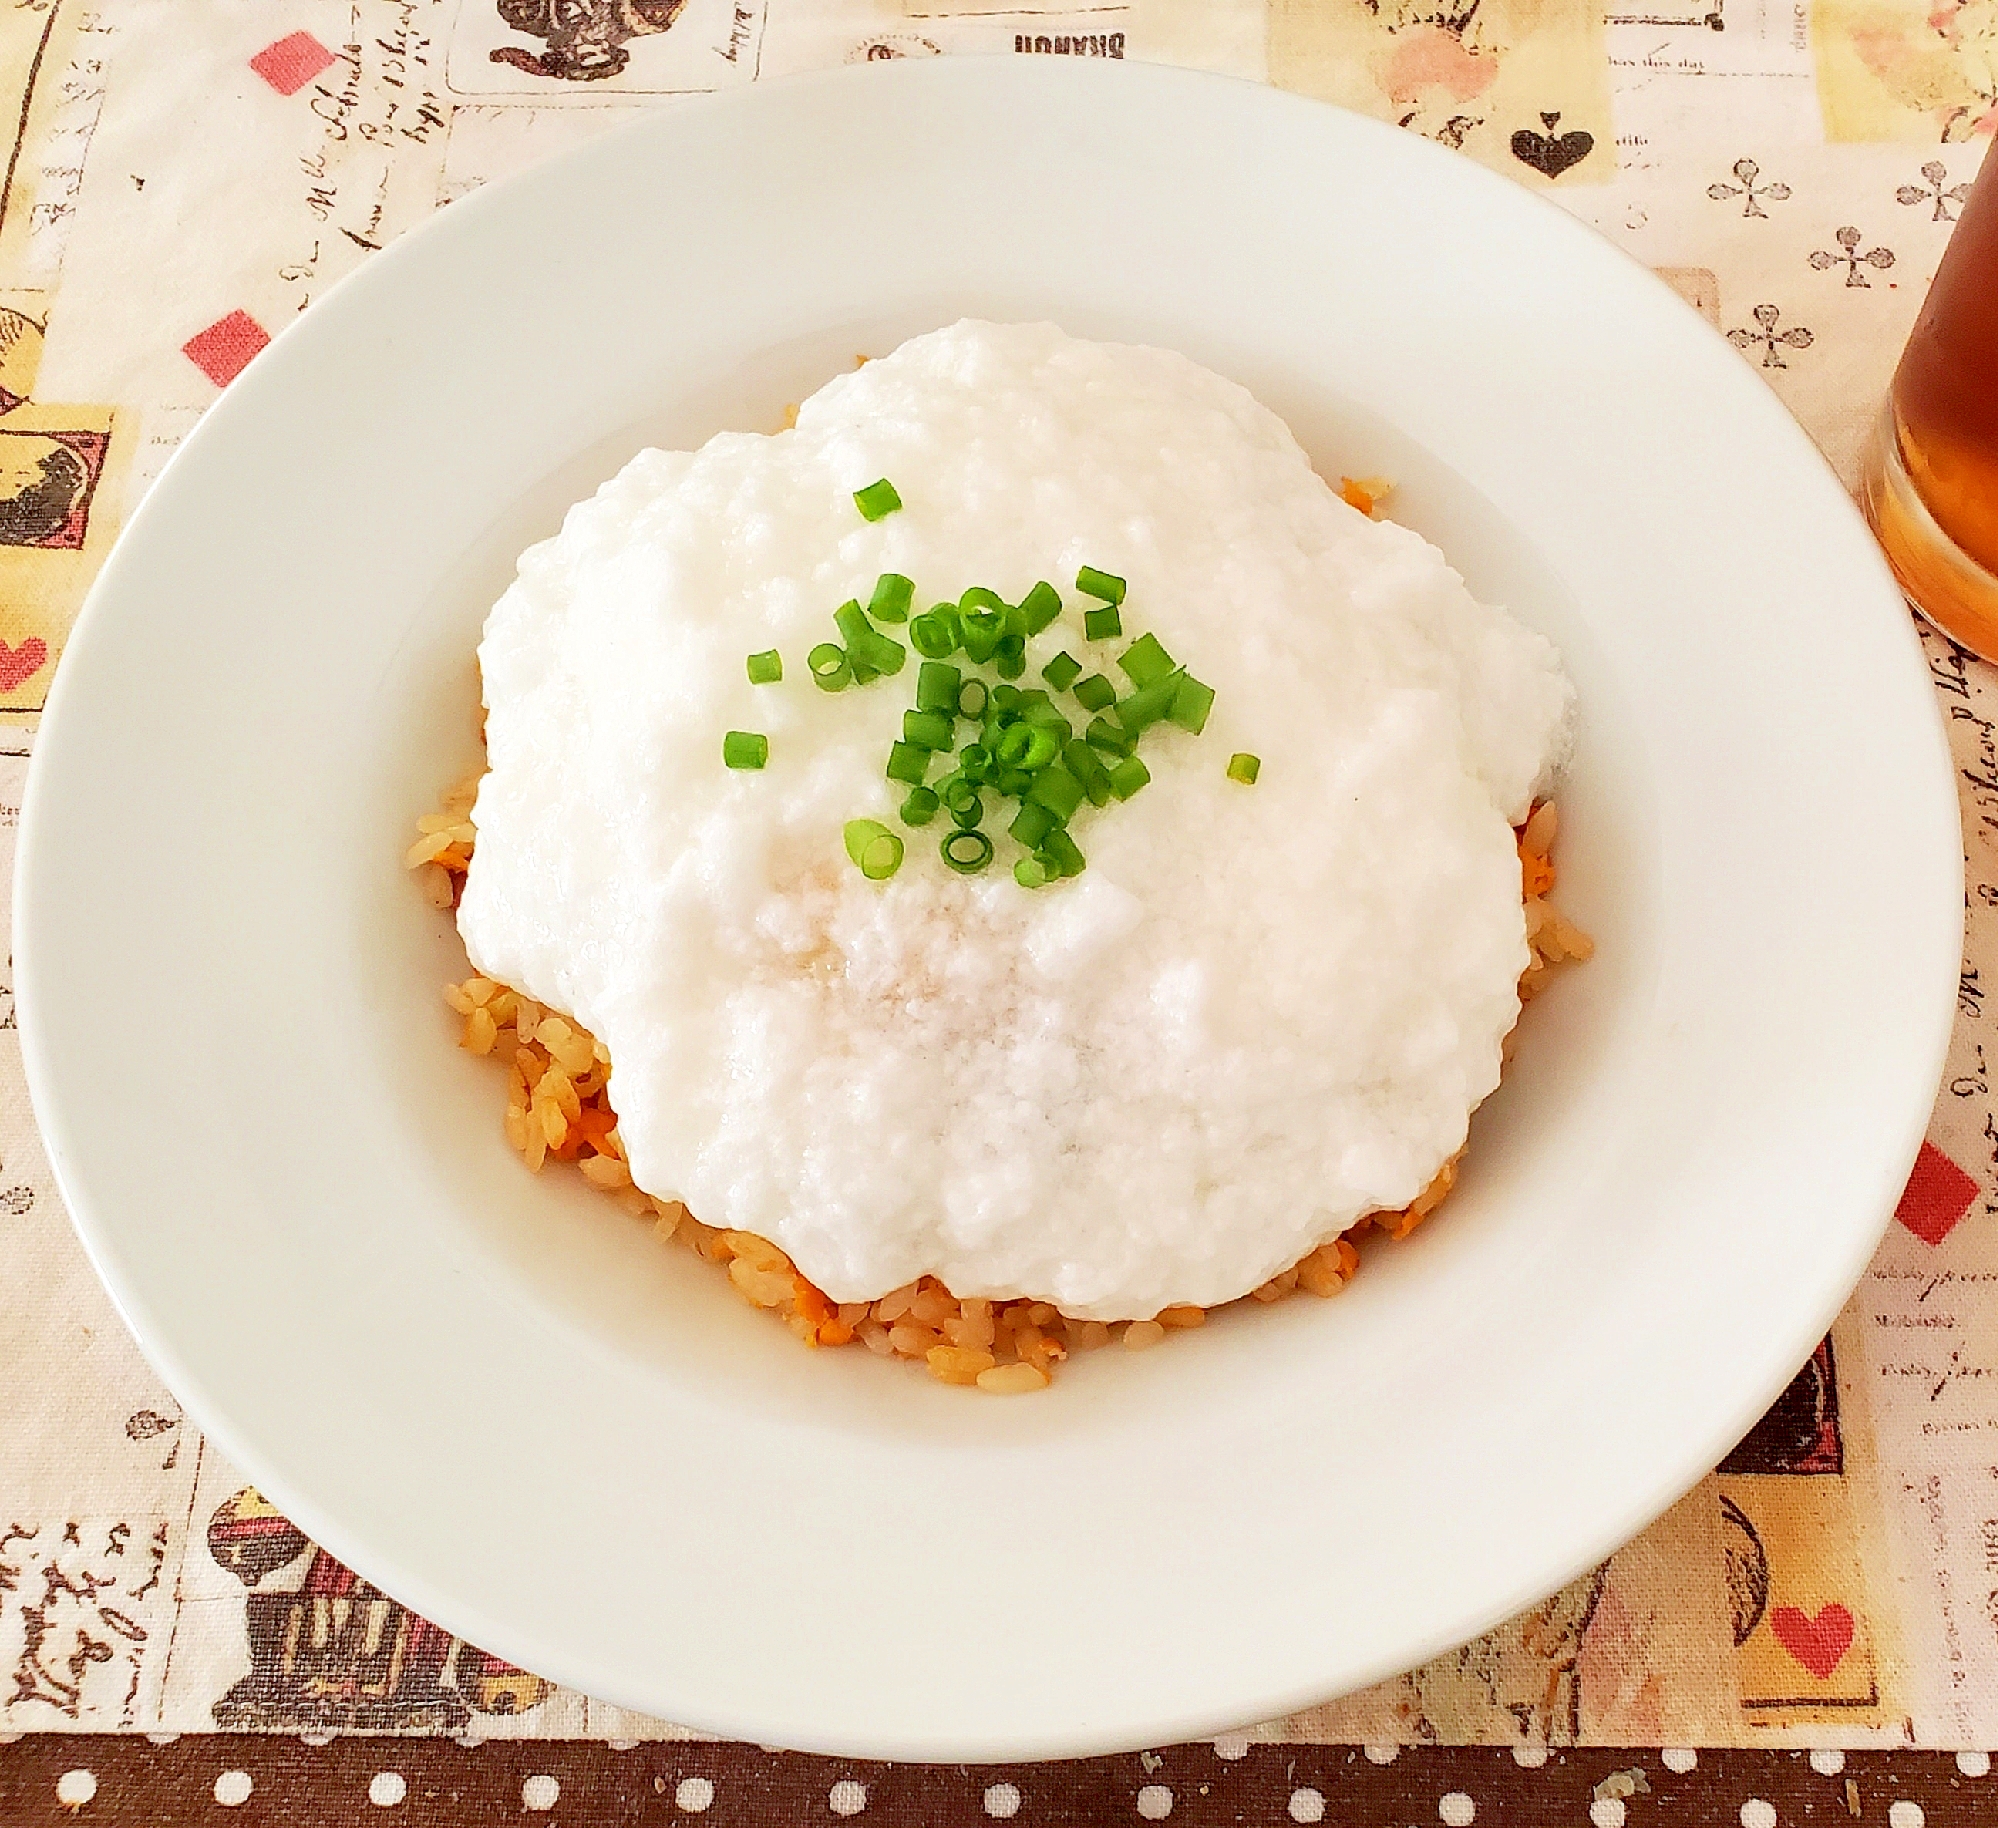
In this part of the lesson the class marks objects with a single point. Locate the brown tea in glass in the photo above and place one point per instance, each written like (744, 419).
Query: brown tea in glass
(1929, 483)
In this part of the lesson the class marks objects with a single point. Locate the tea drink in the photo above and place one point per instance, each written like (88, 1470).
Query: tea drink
(1930, 483)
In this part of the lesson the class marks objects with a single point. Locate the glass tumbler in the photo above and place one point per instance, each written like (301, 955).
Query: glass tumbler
(1929, 479)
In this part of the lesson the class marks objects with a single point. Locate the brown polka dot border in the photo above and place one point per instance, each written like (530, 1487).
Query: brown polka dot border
(81, 1780)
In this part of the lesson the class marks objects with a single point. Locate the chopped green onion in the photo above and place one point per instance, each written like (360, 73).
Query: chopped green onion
(1148, 703)
(977, 598)
(956, 790)
(1145, 660)
(1245, 768)
(885, 659)
(1006, 698)
(1062, 671)
(893, 593)
(1128, 776)
(920, 807)
(851, 621)
(1031, 873)
(1080, 760)
(933, 634)
(907, 764)
(875, 850)
(1029, 747)
(1096, 693)
(1046, 717)
(927, 729)
(967, 852)
(1099, 584)
(937, 685)
(1112, 739)
(1013, 782)
(877, 499)
(745, 749)
(870, 653)
(1060, 849)
(974, 761)
(982, 630)
(1058, 790)
(829, 667)
(1040, 606)
(972, 698)
(1043, 745)
(766, 668)
(968, 813)
(1101, 624)
(1009, 659)
(1191, 703)
(1031, 825)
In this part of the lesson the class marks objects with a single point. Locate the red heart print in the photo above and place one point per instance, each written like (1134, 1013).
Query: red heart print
(1818, 1643)
(23, 662)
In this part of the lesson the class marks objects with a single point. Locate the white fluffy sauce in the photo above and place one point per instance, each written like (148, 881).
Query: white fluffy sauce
(1261, 1012)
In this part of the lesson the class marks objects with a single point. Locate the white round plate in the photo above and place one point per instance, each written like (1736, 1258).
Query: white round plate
(510, 1407)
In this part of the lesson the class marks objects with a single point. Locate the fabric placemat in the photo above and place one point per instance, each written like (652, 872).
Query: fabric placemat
(184, 175)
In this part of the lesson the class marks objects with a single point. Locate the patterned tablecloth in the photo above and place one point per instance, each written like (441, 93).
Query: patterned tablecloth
(182, 176)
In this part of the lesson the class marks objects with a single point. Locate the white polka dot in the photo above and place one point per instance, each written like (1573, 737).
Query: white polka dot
(234, 1787)
(1001, 1801)
(161, 1738)
(1529, 1757)
(75, 1788)
(1307, 1806)
(1155, 1802)
(539, 1792)
(1680, 1758)
(846, 1797)
(1755, 1813)
(386, 1789)
(694, 1794)
(1827, 1761)
(1383, 1754)
(1974, 1764)
(1232, 1745)
(1456, 1810)
(1905, 1815)
(1607, 1812)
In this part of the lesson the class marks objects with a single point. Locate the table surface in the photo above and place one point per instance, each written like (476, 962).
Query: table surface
(184, 175)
